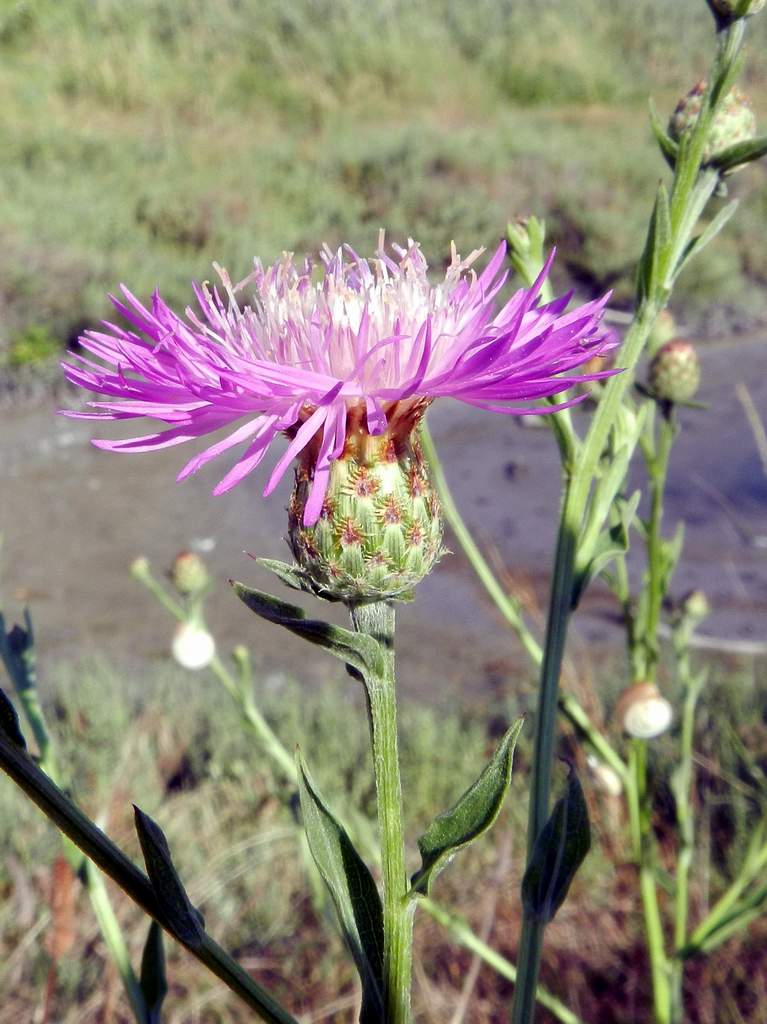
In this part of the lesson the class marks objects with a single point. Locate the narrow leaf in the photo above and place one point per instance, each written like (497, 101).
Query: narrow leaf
(154, 983)
(9, 722)
(353, 891)
(361, 652)
(658, 237)
(472, 815)
(294, 577)
(559, 851)
(741, 153)
(17, 650)
(181, 917)
(668, 147)
(710, 232)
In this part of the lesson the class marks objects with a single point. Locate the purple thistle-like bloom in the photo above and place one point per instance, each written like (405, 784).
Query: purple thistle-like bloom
(368, 343)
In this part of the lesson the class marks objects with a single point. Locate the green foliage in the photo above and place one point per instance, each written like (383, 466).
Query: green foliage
(559, 851)
(353, 890)
(32, 346)
(469, 818)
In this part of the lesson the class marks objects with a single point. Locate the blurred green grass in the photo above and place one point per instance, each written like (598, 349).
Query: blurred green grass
(140, 141)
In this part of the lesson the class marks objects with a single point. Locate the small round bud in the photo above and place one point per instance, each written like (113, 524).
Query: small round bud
(674, 374)
(737, 8)
(380, 529)
(642, 712)
(605, 777)
(695, 606)
(193, 647)
(663, 330)
(734, 121)
(139, 567)
(188, 574)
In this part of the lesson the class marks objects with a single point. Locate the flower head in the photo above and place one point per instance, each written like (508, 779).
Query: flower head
(317, 353)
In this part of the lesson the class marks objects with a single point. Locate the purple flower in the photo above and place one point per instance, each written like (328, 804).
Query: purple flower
(363, 345)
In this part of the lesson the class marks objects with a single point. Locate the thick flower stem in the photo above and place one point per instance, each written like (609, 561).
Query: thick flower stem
(377, 620)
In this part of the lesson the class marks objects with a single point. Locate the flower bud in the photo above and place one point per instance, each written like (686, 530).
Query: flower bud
(734, 121)
(193, 646)
(380, 529)
(663, 330)
(604, 777)
(642, 712)
(188, 574)
(695, 606)
(674, 374)
(140, 567)
(737, 8)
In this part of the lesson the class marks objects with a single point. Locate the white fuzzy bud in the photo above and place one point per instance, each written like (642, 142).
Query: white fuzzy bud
(605, 777)
(643, 712)
(193, 647)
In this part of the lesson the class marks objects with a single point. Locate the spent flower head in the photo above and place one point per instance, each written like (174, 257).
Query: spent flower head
(334, 357)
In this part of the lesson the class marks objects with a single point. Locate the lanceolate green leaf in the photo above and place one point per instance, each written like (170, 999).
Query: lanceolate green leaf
(183, 919)
(558, 853)
(361, 652)
(707, 235)
(9, 722)
(668, 147)
(154, 983)
(473, 814)
(740, 153)
(352, 889)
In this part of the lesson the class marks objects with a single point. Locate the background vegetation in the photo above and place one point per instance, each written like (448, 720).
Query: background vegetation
(177, 749)
(140, 141)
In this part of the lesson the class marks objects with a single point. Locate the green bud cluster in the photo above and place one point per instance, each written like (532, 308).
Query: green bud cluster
(734, 122)
(675, 372)
(380, 530)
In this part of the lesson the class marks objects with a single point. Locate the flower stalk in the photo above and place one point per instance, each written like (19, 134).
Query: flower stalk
(377, 619)
(674, 220)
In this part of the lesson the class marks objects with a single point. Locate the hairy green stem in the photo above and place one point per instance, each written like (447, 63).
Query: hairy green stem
(639, 814)
(660, 264)
(686, 824)
(657, 461)
(113, 862)
(377, 620)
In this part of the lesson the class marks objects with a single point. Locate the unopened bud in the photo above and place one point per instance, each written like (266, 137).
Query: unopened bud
(663, 330)
(605, 777)
(140, 567)
(734, 121)
(188, 574)
(674, 374)
(193, 646)
(642, 712)
(695, 605)
(734, 9)
(380, 529)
